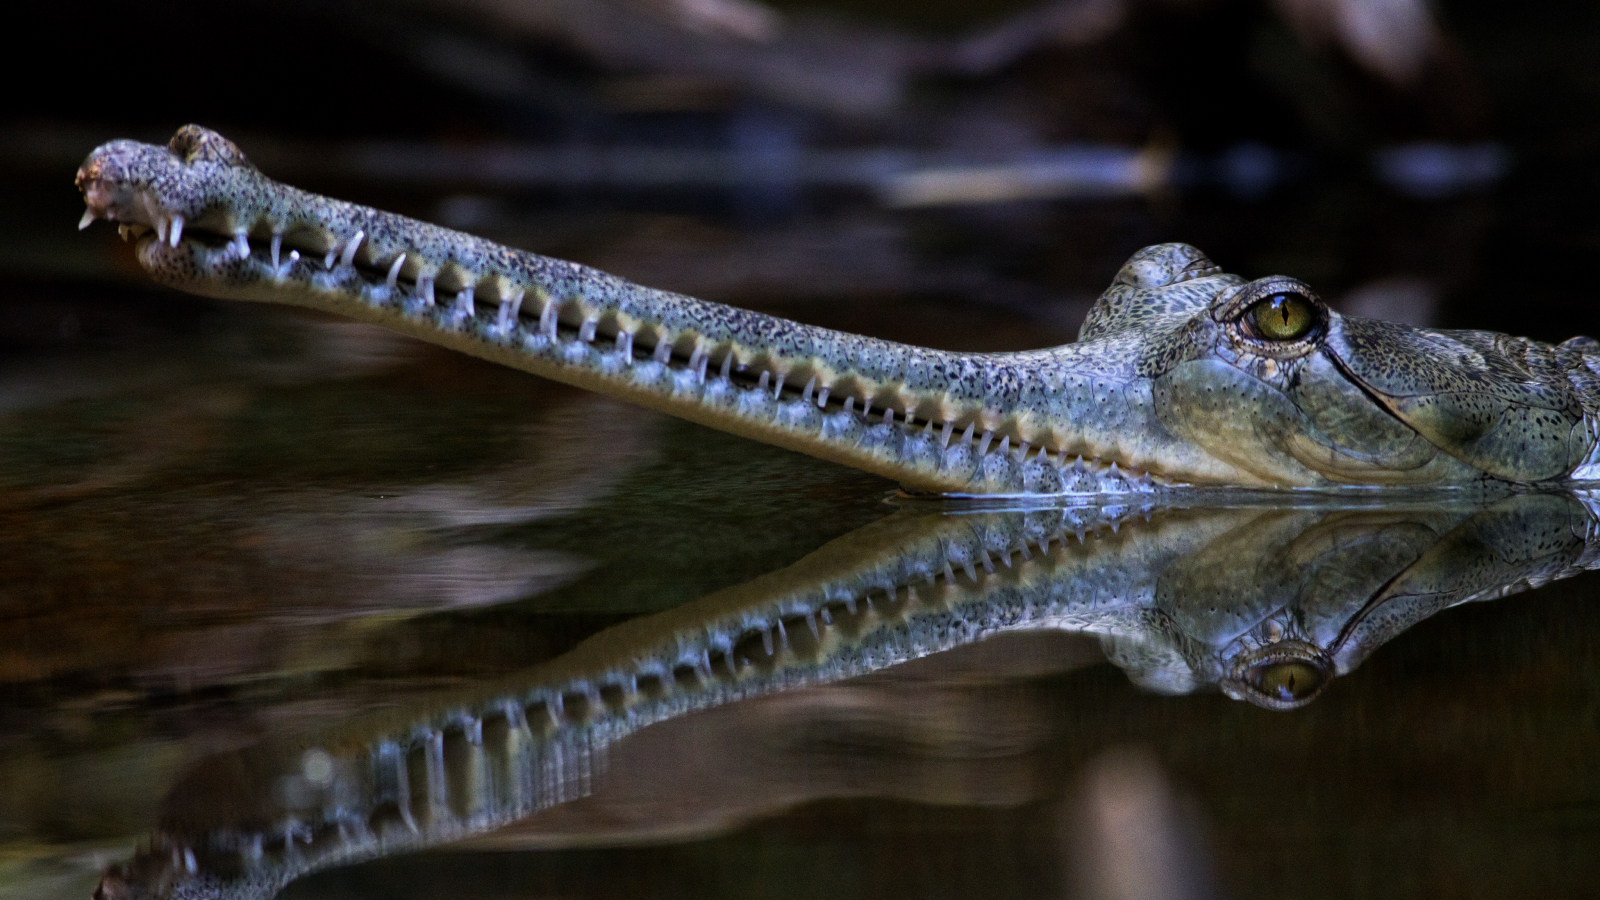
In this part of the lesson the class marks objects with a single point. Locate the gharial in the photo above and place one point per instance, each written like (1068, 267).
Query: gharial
(1182, 374)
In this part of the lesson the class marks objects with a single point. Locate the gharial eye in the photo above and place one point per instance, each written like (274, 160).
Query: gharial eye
(1287, 681)
(1285, 316)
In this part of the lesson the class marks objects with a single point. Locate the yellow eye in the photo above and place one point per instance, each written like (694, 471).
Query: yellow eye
(1283, 317)
(1287, 681)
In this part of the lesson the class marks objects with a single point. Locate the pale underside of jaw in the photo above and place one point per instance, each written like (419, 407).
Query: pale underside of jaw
(890, 430)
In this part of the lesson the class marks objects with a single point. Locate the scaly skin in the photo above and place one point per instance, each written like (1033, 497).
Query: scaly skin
(1269, 603)
(1170, 383)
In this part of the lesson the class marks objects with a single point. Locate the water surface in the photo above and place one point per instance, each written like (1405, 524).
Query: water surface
(231, 542)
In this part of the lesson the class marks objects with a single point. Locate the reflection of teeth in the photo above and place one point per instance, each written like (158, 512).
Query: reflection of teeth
(547, 318)
(327, 262)
(509, 307)
(177, 231)
(87, 220)
(277, 247)
(125, 232)
(161, 229)
(241, 245)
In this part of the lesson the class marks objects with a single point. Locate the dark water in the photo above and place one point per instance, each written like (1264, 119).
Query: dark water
(231, 534)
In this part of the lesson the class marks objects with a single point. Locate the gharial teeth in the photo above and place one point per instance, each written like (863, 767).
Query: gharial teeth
(87, 220)
(241, 244)
(394, 271)
(349, 255)
(177, 231)
(277, 247)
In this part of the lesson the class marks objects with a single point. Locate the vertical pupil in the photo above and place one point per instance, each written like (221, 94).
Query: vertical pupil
(1284, 316)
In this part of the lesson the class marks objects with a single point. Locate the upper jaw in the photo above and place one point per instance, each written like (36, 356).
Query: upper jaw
(111, 193)
(144, 188)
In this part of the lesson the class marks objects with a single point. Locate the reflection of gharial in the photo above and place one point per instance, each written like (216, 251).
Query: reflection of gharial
(1182, 374)
(1268, 603)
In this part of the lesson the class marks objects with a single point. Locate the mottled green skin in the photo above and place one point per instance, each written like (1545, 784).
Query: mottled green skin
(1166, 385)
(1236, 598)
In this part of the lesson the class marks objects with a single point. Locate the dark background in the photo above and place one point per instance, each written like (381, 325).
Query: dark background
(308, 88)
(187, 559)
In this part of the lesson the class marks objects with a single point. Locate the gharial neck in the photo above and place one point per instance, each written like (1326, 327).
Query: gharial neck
(900, 589)
(1069, 419)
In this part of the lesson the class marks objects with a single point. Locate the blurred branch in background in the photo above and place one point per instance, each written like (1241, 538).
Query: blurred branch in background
(1393, 39)
(802, 59)
(822, 63)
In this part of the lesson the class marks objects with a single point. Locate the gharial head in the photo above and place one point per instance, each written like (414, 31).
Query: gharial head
(1182, 372)
(1264, 376)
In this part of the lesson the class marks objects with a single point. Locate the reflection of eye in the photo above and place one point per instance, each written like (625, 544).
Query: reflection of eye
(1286, 681)
(1283, 317)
